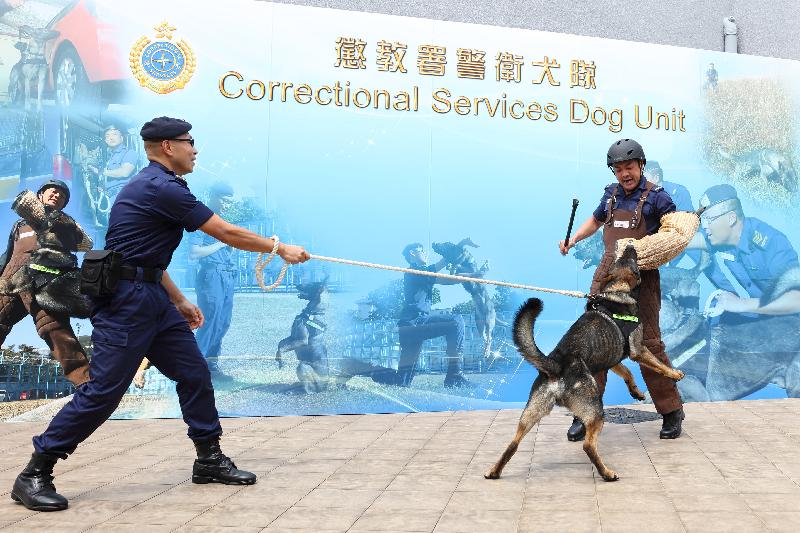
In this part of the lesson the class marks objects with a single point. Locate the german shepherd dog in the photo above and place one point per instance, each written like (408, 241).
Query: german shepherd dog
(593, 343)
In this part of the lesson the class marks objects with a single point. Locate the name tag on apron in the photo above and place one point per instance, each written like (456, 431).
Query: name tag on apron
(622, 224)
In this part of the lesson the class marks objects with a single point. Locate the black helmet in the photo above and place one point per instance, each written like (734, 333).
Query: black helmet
(625, 150)
(55, 184)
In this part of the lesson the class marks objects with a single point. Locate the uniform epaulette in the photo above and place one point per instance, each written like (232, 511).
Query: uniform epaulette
(760, 239)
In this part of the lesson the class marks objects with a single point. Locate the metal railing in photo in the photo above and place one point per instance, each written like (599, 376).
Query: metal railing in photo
(32, 378)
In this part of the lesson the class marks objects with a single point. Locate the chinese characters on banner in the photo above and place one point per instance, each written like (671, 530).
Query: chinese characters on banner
(470, 63)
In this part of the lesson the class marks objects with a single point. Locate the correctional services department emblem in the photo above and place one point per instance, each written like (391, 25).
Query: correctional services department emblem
(162, 65)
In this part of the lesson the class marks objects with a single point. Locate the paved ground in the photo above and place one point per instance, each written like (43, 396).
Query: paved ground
(737, 468)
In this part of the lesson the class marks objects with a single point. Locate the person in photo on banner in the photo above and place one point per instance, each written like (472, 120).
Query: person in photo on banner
(146, 313)
(755, 311)
(119, 167)
(40, 252)
(632, 207)
(418, 323)
(215, 280)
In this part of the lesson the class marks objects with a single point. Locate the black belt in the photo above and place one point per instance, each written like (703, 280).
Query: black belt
(150, 275)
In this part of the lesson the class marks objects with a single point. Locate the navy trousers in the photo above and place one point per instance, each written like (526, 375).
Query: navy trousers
(137, 320)
(215, 299)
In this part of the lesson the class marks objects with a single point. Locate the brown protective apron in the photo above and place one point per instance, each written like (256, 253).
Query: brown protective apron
(56, 331)
(623, 224)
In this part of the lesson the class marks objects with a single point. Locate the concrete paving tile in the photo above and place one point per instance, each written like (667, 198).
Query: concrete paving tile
(710, 502)
(559, 521)
(773, 502)
(120, 492)
(398, 501)
(754, 470)
(437, 483)
(477, 520)
(654, 501)
(160, 513)
(113, 527)
(317, 519)
(634, 522)
(210, 494)
(229, 514)
(478, 483)
(559, 501)
(217, 529)
(561, 469)
(780, 521)
(377, 520)
(722, 522)
(747, 485)
(48, 522)
(690, 485)
(488, 500)
(339, 498)
(358, 480)
(629, 484)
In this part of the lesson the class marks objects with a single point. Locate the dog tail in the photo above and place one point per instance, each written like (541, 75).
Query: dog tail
(523, 338)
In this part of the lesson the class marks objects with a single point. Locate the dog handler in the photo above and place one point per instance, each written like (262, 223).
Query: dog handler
(146, 314)
(633, 208)
(40, 249)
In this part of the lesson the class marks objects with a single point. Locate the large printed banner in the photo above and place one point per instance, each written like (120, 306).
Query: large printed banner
(408, 142)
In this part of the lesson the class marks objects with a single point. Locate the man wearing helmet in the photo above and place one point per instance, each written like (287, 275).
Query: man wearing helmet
(632, 207)
(39, 263)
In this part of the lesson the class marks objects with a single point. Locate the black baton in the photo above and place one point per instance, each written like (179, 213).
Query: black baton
(571, 220)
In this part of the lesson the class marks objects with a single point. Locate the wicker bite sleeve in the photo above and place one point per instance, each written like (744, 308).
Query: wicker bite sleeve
(676, 231)
(85, 243)
(28, 206)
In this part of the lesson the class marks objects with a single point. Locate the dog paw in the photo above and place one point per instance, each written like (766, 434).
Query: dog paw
(610, 476)
(491, 474)
(638, 395)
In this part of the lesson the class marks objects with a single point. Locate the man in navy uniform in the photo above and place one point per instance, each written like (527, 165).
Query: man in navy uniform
(148, 315)
(215, 280)
(417, 323)
(755, 271)
(680, 195)
(632, 207)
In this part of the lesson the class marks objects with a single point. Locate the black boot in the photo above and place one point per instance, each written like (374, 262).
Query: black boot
(577, 431)
(34, 486)
(213, 466)
(671, 427)
(456, 379)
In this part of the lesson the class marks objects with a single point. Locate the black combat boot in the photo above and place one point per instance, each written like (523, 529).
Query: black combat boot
(213, 466)
(577, 431)
(456, 379)
(671, 427)
(34, 486)
(455, 376)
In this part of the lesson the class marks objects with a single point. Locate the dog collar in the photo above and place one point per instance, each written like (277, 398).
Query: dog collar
(628, 318)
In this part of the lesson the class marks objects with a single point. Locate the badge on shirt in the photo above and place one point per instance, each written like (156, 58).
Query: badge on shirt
(622, 224)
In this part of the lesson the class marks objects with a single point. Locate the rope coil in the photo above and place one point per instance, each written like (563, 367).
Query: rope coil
(261, 265)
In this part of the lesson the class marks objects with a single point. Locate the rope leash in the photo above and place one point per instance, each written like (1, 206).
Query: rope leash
(261, 265)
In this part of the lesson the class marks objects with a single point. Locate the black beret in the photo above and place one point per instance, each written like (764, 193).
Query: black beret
(161, 128)
(717, 194)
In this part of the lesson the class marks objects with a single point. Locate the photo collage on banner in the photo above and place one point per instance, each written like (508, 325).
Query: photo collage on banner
(413, 143)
